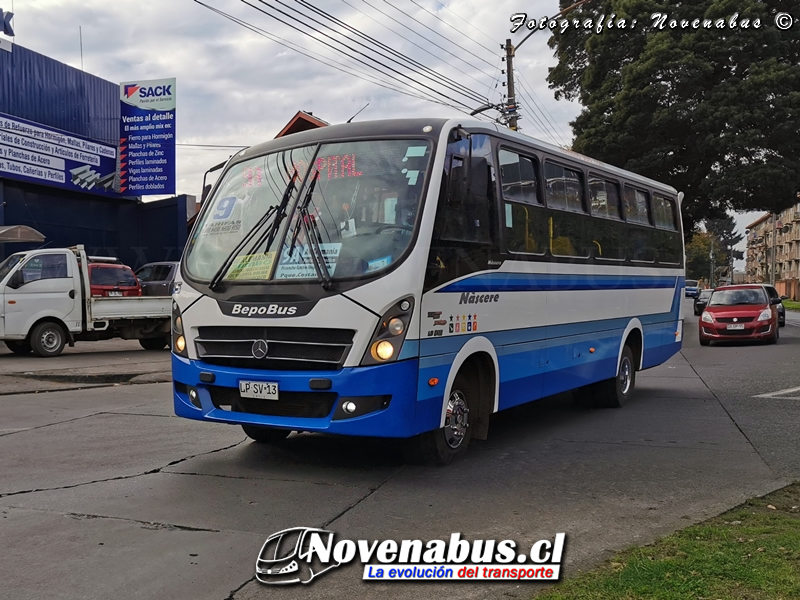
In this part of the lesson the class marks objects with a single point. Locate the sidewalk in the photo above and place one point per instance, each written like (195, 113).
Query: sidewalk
(88, 364)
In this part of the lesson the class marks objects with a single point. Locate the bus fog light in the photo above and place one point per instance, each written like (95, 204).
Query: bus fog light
(350, 407)
(405, 305)
(180, 344)
(382, 350)
(195, 397)
(396, 326)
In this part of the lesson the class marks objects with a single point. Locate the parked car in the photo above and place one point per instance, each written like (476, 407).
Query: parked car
(701, 301)
(774, 295)
(157, 278)
(691, 289)
(739, 312)
(112, 279)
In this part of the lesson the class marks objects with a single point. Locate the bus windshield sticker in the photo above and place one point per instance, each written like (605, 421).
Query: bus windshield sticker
(378, 264)
(252, 267)
(415, 151)
(348, 228)
(300, 264)
(412, 176)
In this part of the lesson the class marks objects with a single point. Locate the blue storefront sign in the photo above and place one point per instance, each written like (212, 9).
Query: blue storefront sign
(38, 154)
(147, 137)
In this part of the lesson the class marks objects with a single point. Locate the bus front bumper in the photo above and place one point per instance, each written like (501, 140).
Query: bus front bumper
(377, 401)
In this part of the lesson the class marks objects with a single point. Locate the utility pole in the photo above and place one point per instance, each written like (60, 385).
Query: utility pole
(511, 105)
(711, 264)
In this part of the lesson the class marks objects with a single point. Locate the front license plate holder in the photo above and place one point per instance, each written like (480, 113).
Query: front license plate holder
(260, 390)
(735, 326)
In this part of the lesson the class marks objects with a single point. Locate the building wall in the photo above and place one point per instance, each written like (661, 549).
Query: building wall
(137, 233)
(40, 89)
(785, 244)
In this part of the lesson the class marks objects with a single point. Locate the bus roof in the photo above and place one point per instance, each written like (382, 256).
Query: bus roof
(415, 128)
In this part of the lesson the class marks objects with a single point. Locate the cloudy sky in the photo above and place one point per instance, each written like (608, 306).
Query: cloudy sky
(236, 87)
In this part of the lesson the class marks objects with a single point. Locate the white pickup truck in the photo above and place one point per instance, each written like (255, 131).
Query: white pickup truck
(47, 304)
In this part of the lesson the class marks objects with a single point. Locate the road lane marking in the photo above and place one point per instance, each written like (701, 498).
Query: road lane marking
(780, 394)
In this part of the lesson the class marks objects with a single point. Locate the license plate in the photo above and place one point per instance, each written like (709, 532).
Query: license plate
(736, 326)
(258, 389)
(115, 293)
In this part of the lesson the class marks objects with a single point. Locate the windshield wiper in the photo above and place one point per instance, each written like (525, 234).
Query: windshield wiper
(287, 194)
(315, 251)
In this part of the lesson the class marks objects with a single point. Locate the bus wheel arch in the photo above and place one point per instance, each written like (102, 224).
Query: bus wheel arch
(478, 358)
(633, 337)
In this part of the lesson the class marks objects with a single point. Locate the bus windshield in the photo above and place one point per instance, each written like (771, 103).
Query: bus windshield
(357, 208)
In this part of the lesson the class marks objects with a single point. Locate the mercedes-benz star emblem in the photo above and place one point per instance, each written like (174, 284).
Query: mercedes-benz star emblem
(260, 348)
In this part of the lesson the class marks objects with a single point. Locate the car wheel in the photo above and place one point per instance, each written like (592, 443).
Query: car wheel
(20, 348)
(705, 342)
(614, 393)
(48, 340)
(774, 339)
(154, 343)
(265, 435)
(441, 446)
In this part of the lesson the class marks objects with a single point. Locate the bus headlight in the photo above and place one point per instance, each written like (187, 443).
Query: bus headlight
(382, 351)
(389, 334)
(178, 337)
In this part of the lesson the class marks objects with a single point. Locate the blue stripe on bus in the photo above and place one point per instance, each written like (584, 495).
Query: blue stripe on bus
(538, 282)
(452, 344)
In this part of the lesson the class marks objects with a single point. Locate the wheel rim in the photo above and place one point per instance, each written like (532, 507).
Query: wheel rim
(625, 375)
(457, 421)
(51, 340)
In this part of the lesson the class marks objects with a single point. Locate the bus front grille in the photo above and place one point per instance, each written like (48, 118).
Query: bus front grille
(286, 348)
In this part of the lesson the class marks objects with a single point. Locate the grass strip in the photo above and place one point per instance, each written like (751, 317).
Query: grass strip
(751, 552)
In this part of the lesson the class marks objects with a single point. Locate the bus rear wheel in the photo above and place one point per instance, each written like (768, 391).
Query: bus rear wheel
(265, 435)
(441, 446)
(614, 393)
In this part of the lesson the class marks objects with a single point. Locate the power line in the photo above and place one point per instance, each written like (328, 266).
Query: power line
(437, 33)
(544, 121)
(561, 133)
(426, 39)
(435, 16)
(446, 81)
(465, 21)
(319, 58)
(400, 35)
(325, 60)
(357, 51)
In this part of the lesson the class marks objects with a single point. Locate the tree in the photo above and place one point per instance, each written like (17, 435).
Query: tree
(698, 256)
(724, 230)
(713, 112)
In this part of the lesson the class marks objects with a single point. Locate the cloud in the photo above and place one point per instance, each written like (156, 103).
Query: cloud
(236, 87)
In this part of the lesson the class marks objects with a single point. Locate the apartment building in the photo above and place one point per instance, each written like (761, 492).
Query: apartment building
(780, 236)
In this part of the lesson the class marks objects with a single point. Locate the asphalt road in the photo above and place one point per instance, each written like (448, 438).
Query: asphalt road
(104, 493)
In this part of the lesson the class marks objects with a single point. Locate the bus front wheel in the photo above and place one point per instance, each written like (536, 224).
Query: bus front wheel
(441, 446)
(265, 435)
(614, 393)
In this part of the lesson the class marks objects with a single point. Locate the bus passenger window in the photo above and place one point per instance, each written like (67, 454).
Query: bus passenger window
(664, 213)
(637, 209)
(518, 177)
(526, 228)
(564, 188)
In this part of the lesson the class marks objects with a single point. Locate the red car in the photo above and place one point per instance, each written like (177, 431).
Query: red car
(739, 312)
(113, 280)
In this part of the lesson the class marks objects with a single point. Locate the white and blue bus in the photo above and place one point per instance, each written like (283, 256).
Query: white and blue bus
(409, 278)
